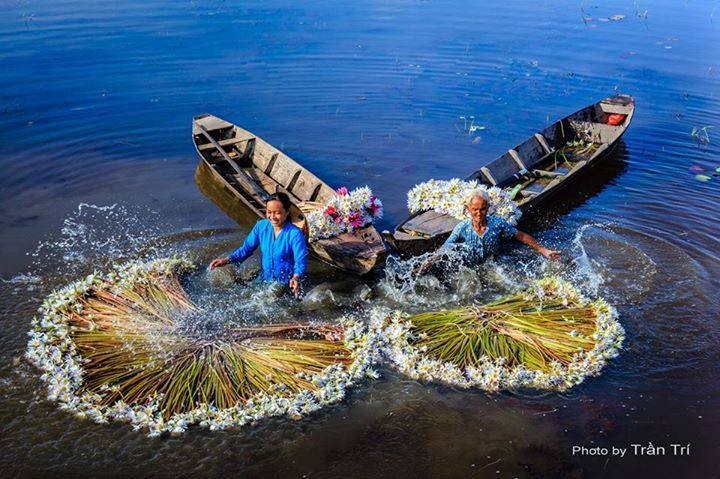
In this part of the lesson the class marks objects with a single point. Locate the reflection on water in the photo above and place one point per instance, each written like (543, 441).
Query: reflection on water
(96, 105)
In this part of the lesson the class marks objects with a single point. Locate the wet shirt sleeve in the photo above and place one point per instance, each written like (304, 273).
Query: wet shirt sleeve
(300, 252)
(457, 235)
(248, 247)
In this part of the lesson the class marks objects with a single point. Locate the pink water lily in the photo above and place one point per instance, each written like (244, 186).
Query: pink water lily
(331, 211)
(344, 213)
(355, 219)
(375, 208)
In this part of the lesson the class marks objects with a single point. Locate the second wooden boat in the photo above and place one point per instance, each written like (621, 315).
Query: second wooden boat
(239, 171)
(533, 171)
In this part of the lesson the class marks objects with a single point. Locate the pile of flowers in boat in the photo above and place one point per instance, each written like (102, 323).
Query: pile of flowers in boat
(109, 349)
(344, 213)
(546, 337)
(449, 196)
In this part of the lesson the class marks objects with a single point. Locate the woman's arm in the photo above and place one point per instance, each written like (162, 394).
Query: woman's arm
(241, 254)
(300, 254)
(454, 236)
(530, 241)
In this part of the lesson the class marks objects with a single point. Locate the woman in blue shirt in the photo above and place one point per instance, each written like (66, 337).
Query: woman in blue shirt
(282, 244)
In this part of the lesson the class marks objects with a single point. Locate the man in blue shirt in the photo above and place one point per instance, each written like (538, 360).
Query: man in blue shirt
(481, 235)
(282, 244)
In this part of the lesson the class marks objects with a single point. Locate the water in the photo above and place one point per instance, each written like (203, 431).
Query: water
(96, 101)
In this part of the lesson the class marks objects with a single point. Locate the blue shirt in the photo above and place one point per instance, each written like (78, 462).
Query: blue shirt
(479, 247)
(282, 257)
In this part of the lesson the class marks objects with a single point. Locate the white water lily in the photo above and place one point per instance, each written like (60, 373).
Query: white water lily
(492, 376)
(344, 213)
(52, 350)
(448, 197)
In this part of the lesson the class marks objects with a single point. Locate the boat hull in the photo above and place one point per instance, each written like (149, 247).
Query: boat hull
(408, 242)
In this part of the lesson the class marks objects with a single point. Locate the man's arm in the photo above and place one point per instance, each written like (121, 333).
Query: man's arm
(530, 241)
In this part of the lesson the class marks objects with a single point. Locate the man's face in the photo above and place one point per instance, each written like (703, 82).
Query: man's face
(478, 209)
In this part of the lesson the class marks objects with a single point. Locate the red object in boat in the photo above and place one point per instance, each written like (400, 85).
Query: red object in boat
(616, 119)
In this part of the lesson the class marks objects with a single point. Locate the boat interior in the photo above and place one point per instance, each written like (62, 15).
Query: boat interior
(256, 167)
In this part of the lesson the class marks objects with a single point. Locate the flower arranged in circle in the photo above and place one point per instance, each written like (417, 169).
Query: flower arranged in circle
(111, 348)
(551, 337)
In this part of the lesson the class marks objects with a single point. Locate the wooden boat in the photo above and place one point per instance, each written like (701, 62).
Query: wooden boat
(533, 171)
(239, 171)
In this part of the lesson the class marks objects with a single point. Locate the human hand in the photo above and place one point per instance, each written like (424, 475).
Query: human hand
(294, 284)
(550, 254)
(218, 262)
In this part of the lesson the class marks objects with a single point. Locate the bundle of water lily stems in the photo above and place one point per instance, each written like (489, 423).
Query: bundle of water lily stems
(575, 150)
(112, 348)
(547, 337)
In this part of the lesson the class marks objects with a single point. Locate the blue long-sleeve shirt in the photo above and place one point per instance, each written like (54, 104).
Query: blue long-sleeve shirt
(282, 256)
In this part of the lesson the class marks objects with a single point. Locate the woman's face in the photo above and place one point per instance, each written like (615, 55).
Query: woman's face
(478, 209)
(276, 213)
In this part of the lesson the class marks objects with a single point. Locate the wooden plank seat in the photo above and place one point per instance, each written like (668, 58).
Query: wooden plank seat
(430, 223)
(284, 171)
(502, 170)
(228, 142)
(305, 186)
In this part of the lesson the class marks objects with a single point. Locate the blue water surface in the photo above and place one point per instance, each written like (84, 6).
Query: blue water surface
(96, 103)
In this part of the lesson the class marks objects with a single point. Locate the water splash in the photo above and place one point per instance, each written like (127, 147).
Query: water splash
(450, 282)
(96, 236)
(585, 271)
(22, 279)
(229, 297)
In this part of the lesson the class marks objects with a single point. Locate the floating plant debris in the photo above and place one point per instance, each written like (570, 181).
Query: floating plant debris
(546, 337)
(112, 347)
(701, 135)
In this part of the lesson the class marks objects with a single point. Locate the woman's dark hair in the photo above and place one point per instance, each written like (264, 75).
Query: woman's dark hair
(282, 198)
